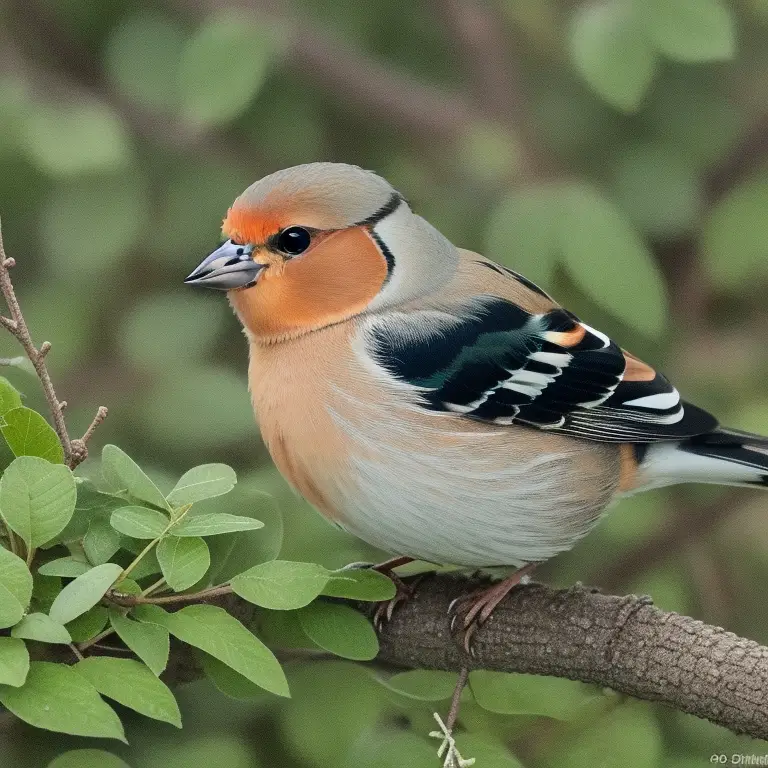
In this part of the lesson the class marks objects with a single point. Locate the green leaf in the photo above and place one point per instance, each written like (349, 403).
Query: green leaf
(68, 567)
(148, 641)
(44, 591)
(690, 30)
(9, 396)
(133, 685)
(233, 553)
(215, 86)
(229, 682)
(38, 626)
(88, 758)
(281, 584)
(70, 140)
(517, 694)
(203, 482)
(142, 57)
(87, 625)
(612, 53)
(522, 232)
(183, 561)
(340, 630)
(15, 588)
(139, 522)
(57, 698)
(214, 524)
(735, 236)
(37, 499)
(14, 661)
(29, 434)
(101, 541)
(84, 592)
(609, 261)
(628, 735)
(214, 631)
(122, 473)
(360, 584)
(422, 684)
(91, 505)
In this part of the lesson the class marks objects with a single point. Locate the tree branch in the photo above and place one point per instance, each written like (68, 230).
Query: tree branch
(623, 643)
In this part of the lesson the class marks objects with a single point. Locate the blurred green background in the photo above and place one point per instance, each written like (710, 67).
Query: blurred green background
(614, 151)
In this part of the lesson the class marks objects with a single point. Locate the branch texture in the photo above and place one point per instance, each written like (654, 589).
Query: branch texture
(623, 643)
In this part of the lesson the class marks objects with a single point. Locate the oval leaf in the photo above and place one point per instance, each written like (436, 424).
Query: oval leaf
(68, 567)
(203, 482)
(213, 524)
(215, 86)
(38, 626)
(101, 541)
(15, 588)
(88, 758)
(360, 584)
(84, 592)
(87, 625)
(183, 561)
(220, 635)
(122, 473)
(281, 585)
(37, 499)
(519, 694)
(14, 661)
(29, 434)
(736, 234)
(610, 49)
(340, 630)
(423, 684)
(56, 698)
(609, 261)
(229, 682)
(149, 642)
(690, 30)
(139, 522)
(9, 396)
(133, 685)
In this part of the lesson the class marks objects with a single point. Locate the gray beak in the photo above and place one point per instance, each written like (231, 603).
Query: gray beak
(230, 266)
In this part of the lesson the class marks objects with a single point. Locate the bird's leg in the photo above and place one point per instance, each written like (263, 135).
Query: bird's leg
(471, 611)
(403, 591)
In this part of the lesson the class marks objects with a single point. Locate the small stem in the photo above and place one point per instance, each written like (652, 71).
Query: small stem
(153, 587)
(101, 414)
(98, 638)
(453, 712)
(30, 556)
(128, 601)
(144, 552)
(76, 651)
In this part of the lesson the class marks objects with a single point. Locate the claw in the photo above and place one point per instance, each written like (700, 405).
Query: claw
(474, 609)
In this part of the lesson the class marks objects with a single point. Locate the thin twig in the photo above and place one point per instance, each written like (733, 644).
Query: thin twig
(17, 326)
(128, 601)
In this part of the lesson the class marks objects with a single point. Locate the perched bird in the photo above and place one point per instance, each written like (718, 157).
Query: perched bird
(433, 403)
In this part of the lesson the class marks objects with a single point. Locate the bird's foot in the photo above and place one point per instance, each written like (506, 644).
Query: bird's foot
(468, 612)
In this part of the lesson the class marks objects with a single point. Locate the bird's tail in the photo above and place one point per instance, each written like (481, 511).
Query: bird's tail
(723, 457)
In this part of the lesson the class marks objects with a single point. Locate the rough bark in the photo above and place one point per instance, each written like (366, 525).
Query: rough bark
(623, 643)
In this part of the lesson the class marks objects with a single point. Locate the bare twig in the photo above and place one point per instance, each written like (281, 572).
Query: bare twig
(128, 601)
(17, 326)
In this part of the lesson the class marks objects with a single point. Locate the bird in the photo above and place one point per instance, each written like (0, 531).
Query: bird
(433, 403)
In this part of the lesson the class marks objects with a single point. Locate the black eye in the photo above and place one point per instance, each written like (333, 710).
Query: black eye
(294, 240)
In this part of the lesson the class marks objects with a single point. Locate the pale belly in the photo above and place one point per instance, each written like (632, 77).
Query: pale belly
(473, 496)
(433, 486)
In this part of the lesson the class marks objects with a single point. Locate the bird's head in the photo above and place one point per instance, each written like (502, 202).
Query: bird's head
(316, 244)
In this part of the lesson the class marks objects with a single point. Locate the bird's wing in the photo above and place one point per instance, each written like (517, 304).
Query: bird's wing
(492, 360)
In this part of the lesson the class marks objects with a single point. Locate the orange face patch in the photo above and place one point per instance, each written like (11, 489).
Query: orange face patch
(335, 279)
(244, 225)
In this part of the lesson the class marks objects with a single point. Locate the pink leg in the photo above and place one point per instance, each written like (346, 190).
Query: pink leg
(404, 592)
(471, 611)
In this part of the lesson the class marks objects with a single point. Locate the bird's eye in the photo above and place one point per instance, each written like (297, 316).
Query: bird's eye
(294, 240)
